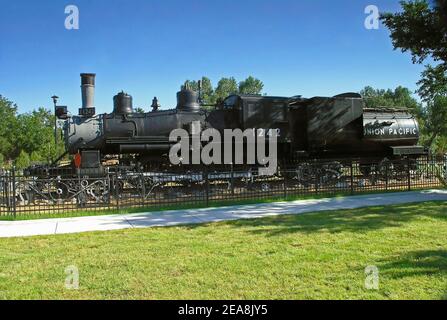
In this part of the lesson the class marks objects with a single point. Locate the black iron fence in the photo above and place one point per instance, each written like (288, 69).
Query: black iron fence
(115, 191)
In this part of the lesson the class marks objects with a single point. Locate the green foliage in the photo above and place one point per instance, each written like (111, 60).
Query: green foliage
(29, 137)
(208, 94)
(225, 87)
(23, 160)
(8, 121)
(35, 157)
(421, 29)
(433, 82)
(139, 110)
(35, 134)
(34, 129)
(207, 91)
(434, 116)
(439, 145)
(251, 86)
(399, 98)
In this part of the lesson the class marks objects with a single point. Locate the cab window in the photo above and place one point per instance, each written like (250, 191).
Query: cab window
(230, 102)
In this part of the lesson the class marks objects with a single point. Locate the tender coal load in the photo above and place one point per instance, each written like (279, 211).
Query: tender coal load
(122, 103)
(188, 100)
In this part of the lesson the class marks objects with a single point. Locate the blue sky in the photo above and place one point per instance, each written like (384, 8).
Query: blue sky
(149, 47)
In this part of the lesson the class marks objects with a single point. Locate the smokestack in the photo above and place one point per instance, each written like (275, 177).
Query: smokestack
(88, 94)
(88, 90)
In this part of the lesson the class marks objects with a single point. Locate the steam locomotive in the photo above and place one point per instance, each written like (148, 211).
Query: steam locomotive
(128, 150)
(319, 127)
(309, 128)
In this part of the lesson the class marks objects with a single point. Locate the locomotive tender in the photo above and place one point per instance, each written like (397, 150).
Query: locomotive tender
(319, 127)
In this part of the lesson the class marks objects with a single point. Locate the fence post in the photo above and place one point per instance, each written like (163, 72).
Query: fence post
(352, 177)
(117, 196)
(6, 191)
(232, 180)
(317, 176)
(408, 174)
(14, 207)
(284, 174)
(109, 185)
(143, 188)
(207, 188)
(386, 177)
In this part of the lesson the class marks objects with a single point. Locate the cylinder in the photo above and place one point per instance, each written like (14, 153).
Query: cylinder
(122, 103)
(88, 90)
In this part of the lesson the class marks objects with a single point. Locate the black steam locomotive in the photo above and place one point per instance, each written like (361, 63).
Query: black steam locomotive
(127, 150)
(319, 127)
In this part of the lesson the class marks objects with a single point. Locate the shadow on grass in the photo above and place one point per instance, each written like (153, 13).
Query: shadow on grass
(353, 220)
(425, 262)
(417, 263)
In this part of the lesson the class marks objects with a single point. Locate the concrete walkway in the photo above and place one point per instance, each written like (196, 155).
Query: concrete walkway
(182, 217)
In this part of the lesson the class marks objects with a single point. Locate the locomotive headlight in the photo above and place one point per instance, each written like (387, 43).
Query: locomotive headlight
(83, 133)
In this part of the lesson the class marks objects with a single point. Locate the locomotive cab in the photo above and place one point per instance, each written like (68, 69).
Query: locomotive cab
(258, 112)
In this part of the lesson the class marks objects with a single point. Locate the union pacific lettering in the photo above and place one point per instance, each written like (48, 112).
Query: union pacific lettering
(390, 131)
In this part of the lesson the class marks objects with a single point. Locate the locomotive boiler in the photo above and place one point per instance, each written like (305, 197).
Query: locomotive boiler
(124, 131)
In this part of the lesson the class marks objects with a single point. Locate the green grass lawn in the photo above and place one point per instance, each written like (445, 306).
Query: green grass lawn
(312, 256)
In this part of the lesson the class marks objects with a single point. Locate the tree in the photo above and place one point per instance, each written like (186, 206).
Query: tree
(35, 157)
(398, 98)
(139, 110)
(433, 83)
(22, 160)
(251, 86)
(208, 95)
(8, 123)
(434, 117)
(226, 87)
(27, 137)
(34, 134)
(421, 30)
